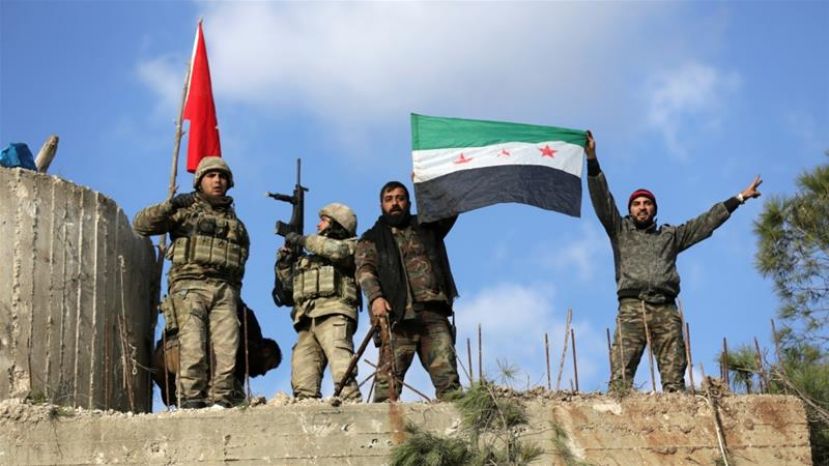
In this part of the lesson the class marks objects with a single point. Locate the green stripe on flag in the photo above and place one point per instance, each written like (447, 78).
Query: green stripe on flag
(436, 132)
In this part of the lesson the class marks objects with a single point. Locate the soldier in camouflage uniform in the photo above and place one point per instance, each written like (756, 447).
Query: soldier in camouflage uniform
(403, 269)
(326, 300)
(647, 280)
(208, 254)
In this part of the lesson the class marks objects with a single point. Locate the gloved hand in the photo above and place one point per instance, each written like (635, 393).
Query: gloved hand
(183, 200)
(294, 239)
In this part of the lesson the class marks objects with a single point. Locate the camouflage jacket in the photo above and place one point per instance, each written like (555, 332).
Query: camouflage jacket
(322, 281)
(645, 259)
(208, 241)
(422, 276)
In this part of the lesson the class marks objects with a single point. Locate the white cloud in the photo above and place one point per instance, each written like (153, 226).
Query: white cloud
(580, 254)
(356, 63)
(690, 94)
(163, 76)
(514, 319)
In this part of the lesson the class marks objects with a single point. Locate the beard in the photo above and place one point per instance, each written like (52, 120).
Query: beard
(643, 224)
(397, 218)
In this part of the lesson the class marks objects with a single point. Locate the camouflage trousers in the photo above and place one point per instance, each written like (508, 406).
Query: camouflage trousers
(322, 341)
(665, 327)
(208, 327)
(430, 336)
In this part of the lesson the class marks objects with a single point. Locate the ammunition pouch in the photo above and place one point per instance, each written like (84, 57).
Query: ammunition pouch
(212, 242)
(314, 279)
(170, 306)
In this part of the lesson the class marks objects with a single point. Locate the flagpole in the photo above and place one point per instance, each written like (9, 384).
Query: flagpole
(171, 191)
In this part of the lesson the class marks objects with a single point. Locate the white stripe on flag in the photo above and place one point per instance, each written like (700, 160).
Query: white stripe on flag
(434, 163)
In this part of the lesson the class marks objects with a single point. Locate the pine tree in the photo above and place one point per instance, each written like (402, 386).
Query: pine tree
(794, 252)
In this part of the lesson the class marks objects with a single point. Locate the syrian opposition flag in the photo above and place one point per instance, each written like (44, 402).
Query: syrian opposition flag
(199, 108)
(461, 165)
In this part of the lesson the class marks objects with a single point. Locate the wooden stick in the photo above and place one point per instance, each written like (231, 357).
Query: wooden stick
(480, 355)
(690, 361)
(609, 348)
(713, 404)
(547, 355)
(777, 351)
(764, 380)
(724, 366)
(247, 353)
(650, 345)
(469, 360)
(564, 350)
(425, 397)
(47, 153)
(687, 342)
(622, 353)
(575, 362)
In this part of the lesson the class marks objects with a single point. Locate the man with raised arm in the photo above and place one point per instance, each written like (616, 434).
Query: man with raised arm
(647, 281)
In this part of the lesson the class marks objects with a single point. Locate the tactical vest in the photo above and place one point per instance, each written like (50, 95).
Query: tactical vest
(211, 241)
(317, 278)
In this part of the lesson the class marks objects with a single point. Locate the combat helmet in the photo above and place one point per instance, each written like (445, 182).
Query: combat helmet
(211, 163)
(343, 215)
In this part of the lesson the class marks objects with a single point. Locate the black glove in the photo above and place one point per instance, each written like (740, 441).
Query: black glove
(183, 200)
(294, 239)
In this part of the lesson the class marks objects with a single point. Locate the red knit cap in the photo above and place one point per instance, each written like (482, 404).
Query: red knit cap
(641, 192)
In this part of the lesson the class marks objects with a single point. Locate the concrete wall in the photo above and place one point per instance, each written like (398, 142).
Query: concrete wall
(641, 430)
(76, 299)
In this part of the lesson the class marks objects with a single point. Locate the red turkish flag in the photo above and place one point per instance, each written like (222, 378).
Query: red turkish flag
(199, 108)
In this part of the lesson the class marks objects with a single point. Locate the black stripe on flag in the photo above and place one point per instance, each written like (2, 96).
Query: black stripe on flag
(465, 190)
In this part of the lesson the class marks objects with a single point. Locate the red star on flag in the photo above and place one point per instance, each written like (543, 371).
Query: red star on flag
(504, 153)
(547, 151)
(462, 159)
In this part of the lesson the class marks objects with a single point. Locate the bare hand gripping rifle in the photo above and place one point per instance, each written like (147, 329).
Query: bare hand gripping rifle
(282, 294)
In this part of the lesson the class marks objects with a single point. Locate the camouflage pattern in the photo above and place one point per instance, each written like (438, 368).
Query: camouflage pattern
(665, 326)
(321, 341)
(208, 241)
(208, 325)
(423, 284)
(211, 163)
(208, 254)
(343, 215)
(325, 322)
(323, 250)
(645, 260)
(430, 337)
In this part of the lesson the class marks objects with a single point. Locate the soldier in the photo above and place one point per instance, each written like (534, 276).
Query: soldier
(647, 281)
(263, 354)
(326, 300)
(208, 253)
(403, 269)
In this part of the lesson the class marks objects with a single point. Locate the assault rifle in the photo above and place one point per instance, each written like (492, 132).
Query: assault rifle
(282, 294)
(297, 200)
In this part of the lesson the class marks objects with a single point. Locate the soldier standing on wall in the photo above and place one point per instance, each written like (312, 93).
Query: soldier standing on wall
(403, 269)
(326, 300)
(208, 254)
(647, 281)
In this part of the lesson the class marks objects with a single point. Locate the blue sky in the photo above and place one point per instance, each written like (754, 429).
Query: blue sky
(688, 99)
